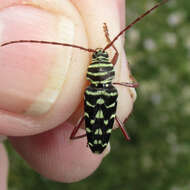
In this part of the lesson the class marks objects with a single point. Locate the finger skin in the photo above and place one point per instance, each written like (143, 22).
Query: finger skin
(52, 153)
(4, 168)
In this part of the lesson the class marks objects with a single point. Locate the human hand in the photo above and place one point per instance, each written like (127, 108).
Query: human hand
(45, 84)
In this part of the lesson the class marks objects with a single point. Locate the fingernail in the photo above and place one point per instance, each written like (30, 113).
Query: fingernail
(32, 75)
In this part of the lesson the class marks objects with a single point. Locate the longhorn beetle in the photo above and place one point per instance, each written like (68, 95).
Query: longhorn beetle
(100, 97)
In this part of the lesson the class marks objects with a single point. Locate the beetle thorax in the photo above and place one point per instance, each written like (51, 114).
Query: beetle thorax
(100, 71)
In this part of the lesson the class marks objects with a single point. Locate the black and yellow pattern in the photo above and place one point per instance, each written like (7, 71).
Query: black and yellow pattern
(100, 102)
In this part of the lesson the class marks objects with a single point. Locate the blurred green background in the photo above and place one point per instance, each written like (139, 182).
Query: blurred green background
(158, 157)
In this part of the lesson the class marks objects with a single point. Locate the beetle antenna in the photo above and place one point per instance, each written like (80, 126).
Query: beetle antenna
(134, 22)
(47, 42)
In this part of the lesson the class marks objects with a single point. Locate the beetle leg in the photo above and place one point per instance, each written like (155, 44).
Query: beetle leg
(127, 84)
(75, 130)
(121, 125)
(115, 57)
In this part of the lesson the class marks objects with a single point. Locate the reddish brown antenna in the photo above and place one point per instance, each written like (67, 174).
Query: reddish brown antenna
(46, 42)
(134, 22)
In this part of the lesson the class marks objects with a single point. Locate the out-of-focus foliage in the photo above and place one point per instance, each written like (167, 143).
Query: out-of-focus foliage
(158, 157)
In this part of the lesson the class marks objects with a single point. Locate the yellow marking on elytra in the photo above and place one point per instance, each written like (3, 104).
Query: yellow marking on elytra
(89, 104)
(111, 105)
(109, 131)
(89, 143)
(105, 144)
(112, 116)
(92, 121)
(88, 130)
(105, 122)
(99, 114)
(112, 94)
(100, 132)
(100, 101)
(86, 114)
(96, 132)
